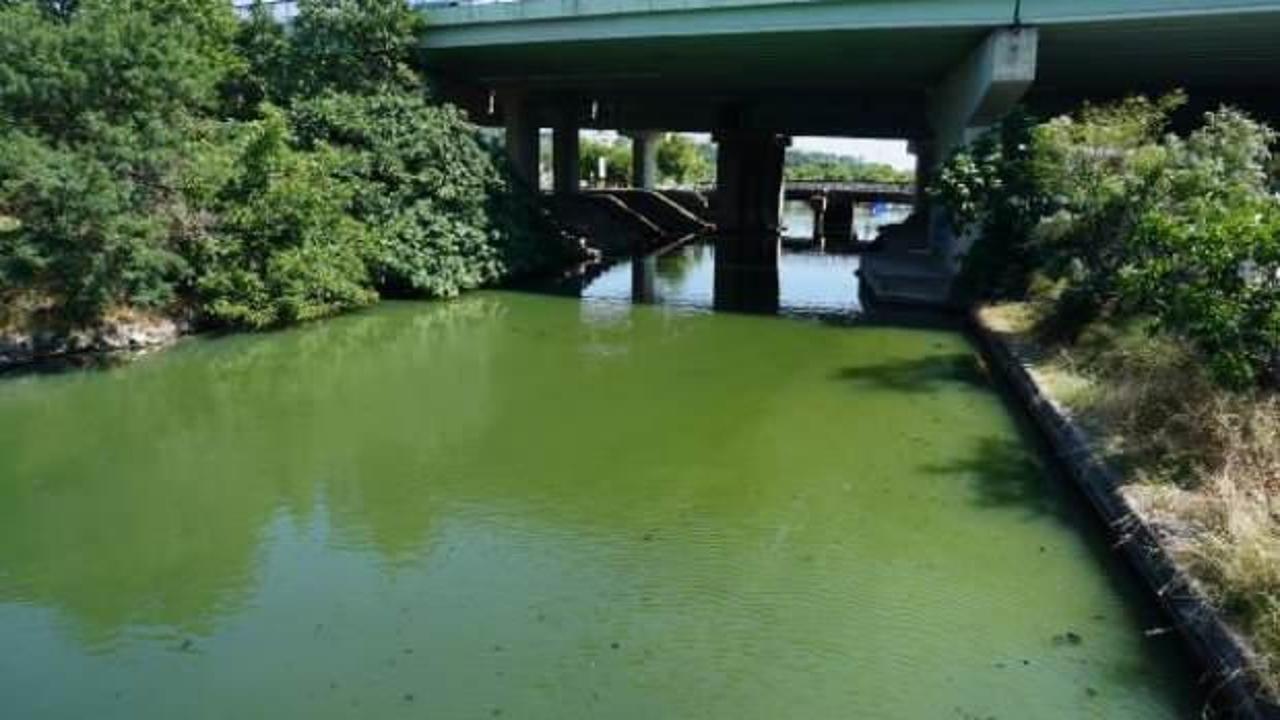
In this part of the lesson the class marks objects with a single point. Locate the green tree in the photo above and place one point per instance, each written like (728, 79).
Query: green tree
(162, 154)
(804, 165)
(102, 101)
(1127, 220)
(421, 182)
(359, 46)
(285, 250)
(617, 161)
(681, 162)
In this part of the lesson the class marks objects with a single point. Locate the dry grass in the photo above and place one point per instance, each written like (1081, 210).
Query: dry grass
(1204, 464)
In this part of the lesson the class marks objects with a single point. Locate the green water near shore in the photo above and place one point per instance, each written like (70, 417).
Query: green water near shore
(524, 506)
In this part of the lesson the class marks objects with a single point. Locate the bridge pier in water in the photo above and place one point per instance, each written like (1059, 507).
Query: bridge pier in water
(818, 204)
(837, 222)
(748, 207)
(748, 200)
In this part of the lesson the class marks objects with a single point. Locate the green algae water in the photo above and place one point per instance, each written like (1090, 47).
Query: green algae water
(526, 506)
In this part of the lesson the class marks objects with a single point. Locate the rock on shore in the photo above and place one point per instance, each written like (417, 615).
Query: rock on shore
(17, 348)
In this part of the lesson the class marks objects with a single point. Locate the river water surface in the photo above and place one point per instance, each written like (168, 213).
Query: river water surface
(528, 506)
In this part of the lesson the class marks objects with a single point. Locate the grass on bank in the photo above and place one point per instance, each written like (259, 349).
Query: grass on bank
(1202, 463)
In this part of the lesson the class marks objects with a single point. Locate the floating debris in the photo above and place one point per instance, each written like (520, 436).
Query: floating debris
(1069, 637)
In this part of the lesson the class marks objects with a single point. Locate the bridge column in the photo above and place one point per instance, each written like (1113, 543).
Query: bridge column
(748, 196)
(930, 231)
(566, 170)
(644, 159)
(521, 140)
(818, 203)
(838, 226)
(977, 93)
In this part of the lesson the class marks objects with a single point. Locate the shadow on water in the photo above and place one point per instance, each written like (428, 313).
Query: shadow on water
(922, 374)
(1020, 474)
(78, 362)
(1008, 475)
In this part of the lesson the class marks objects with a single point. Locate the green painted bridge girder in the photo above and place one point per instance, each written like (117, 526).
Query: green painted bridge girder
(835, 66)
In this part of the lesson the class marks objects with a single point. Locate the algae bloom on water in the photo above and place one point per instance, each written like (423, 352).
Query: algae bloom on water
(651, 511)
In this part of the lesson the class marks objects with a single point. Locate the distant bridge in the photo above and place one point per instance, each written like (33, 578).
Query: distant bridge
(861, 192)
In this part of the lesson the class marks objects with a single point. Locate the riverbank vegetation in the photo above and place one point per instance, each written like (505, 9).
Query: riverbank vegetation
(165, 157)
(682, 162)
(1143, 266)
(808, 165)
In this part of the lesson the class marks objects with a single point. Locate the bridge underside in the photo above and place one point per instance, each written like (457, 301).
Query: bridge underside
(865, 82)
(756, 71)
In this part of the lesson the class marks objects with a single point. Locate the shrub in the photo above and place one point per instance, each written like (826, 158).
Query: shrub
(285, 250)
(681, 161)
(1132, 221)
(991, 189)
(144, 163)
(80, 236)
(99, 100)
(419, 179)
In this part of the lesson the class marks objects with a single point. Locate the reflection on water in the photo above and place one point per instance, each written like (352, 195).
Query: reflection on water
(803, 283)
(527, 506)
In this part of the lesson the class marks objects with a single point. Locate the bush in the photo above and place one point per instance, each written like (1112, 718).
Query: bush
(419, 179)
(285, 250)
(80, 235)
(99, 103)
(1132, 221)
(617, 162)
(681, 161)
(991, 189)
(161, 154)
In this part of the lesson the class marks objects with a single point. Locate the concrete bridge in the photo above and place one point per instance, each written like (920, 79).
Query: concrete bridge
(754, 72)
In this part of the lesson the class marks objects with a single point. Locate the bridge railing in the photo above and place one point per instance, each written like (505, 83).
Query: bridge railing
(288, 9)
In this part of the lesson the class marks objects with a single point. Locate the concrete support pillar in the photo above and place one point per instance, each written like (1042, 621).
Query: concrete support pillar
(749, 167)
(976, 93)
(566, 170)
(745, 288)
(819, 205)
(838, 227)
(984, 87)
(644, 273)
(926, 164)
(521, 140)
(644, 159)
(934, 232)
